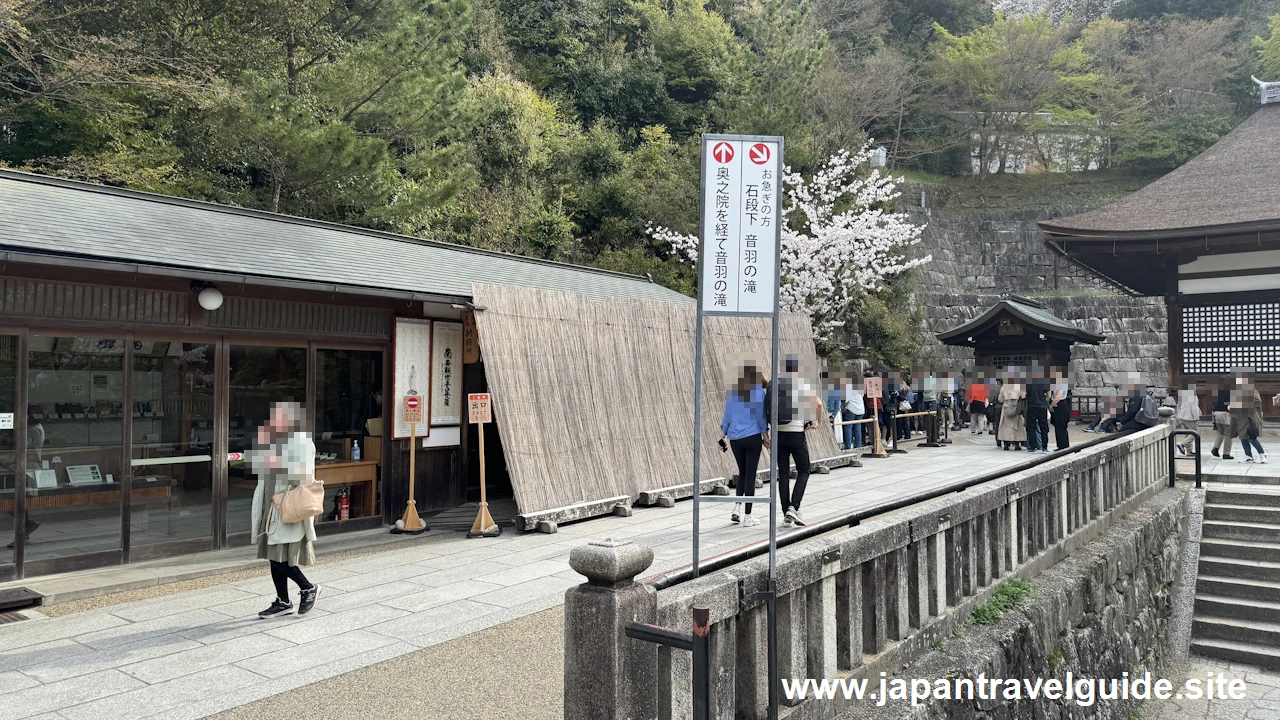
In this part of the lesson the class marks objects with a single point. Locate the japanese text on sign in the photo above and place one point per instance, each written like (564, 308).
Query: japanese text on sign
(480, 409)
(740, 224)
(412, 409)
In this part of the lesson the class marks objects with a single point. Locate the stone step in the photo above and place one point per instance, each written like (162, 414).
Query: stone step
(1233, 496)
(1232, 479)
(1242, 569)
(1244, 513)
(1236, 607)
(1249, 653)
(1239, 549)
(1241, 530)
(1237, 588)
(1256, 632)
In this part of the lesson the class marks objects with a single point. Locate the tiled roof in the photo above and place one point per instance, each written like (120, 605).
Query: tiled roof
(51, 216)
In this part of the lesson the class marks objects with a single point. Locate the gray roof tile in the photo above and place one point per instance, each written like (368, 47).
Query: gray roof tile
(54, 216)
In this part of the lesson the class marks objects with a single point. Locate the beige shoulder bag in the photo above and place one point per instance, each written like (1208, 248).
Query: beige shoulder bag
(299, 502)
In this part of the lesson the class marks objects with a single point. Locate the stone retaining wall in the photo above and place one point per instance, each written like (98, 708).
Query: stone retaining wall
(1104, 611)
(978, 256)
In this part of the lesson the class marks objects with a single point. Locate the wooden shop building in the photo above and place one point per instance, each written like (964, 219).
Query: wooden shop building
(143, 339)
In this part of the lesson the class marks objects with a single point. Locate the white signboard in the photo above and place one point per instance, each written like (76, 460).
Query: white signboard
(742, 179)
(446, 373)
(413, 367)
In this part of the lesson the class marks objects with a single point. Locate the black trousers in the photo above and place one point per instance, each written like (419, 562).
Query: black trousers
(1060, 434)
(282, 573)
(1037, 428)
(747, 452)
(792, 445)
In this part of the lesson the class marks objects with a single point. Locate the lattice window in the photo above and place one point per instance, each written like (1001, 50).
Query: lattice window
(1217, 338)
(1004, 361)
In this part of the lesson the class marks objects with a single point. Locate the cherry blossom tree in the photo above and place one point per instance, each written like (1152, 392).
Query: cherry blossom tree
(838, 240)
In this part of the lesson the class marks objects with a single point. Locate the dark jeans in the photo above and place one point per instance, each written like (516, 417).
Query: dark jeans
(747, 452)
(852, 433)
(1037, 428)
(792, 445)
(282, 573)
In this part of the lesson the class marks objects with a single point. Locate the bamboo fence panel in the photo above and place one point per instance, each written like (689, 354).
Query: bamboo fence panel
(594, 399)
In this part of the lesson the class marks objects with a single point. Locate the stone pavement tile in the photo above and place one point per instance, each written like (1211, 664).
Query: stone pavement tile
(434, 619)
(56, 696)
(354, 599)
(309, 629)
(516, 575)
(181, 602)
(479, 570)
(443, 562)
(16, 635)
(133, 632)
(112, 657)
(364, 581)
(29, 655)
(381, 563)
(253, 604)
(517, 594)
(204, 657)
(13, 681)
(266, 688)
(426, 597)
(154, 700)
(228, 629)
(301, 657)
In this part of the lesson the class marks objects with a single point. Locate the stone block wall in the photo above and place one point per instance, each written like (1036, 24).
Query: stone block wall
(1103, 611)
(979, 256)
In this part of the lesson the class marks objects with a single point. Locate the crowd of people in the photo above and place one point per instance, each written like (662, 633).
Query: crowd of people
(1016, 405)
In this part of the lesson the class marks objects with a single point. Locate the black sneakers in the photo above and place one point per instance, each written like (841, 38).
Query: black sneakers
(307, 599)
(279, 608)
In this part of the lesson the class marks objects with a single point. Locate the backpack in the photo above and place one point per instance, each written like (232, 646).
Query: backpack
(786, 411)
(1149, 414)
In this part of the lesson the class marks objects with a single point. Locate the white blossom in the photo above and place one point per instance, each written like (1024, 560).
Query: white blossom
(837, 240)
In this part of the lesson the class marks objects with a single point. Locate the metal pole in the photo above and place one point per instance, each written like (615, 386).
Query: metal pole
(701, 663)
(771, 619)
(697, 435)
(697, 364)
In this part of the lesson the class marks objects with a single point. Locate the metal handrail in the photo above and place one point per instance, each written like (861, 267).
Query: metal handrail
(1173, 471)
(699, 643)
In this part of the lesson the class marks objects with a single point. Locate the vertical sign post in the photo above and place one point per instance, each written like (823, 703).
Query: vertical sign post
(411, 415)
(739, 263)
(481, 411)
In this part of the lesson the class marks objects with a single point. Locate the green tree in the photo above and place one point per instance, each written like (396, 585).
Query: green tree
(1269, 51)
(1000, 75)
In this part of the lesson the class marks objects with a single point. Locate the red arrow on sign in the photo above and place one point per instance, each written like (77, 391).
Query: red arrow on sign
(722, 152)
(759, 153)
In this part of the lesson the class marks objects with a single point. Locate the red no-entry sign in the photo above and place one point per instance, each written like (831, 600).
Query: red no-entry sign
(722, 152)
(759, 153)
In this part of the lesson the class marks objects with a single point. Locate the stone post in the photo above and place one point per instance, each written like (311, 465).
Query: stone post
(606, 674)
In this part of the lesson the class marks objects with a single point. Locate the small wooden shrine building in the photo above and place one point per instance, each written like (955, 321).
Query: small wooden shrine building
(1019, 332)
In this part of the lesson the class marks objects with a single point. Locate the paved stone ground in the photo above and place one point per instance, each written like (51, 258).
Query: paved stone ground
(197, 653)
(1262, 703)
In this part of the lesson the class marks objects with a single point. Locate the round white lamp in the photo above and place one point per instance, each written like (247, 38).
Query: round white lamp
(207, 294)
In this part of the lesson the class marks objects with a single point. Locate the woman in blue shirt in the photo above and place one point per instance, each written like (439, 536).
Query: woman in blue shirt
(744, 426)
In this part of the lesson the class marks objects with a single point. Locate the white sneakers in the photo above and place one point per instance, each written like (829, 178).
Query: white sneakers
(750, 522)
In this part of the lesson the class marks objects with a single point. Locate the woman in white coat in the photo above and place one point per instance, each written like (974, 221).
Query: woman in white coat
(283, 456)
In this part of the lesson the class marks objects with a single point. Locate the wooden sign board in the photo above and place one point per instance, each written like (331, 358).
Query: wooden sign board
(481, 409)
(470, 341)
(412, 409)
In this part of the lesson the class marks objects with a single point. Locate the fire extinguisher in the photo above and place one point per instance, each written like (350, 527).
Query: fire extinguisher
(344, 504)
